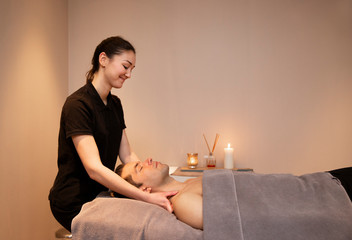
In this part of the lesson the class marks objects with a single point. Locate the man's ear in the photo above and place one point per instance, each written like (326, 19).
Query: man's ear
(146, 189)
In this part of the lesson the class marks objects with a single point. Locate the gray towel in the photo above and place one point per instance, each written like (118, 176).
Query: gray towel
(249, 206)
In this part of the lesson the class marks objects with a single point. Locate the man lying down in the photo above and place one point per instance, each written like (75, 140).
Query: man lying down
(154, 176)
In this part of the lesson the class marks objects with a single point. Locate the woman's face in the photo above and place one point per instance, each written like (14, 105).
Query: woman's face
(119, 68)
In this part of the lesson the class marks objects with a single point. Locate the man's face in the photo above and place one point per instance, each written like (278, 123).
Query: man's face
(149, 173)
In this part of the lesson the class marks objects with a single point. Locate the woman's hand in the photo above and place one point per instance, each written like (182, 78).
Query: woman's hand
(161, 199)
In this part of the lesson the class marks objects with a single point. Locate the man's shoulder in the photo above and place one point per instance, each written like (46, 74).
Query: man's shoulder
(188, 207)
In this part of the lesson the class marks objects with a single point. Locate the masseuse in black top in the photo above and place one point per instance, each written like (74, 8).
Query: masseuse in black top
(92, 136)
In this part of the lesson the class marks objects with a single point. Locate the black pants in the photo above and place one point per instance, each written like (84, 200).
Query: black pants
(64, 217)
(345, 177)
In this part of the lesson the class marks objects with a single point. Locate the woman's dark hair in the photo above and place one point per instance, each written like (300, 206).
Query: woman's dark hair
(111, 46)
(129, 179)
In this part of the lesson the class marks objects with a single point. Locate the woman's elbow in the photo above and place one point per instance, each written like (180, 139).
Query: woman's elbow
(93, 172)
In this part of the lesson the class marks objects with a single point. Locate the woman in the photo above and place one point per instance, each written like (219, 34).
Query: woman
(92, 136)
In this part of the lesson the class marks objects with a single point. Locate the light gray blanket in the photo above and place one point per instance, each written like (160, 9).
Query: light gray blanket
(248, 206)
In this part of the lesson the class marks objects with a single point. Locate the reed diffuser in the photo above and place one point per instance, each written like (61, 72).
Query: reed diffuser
(210, 159)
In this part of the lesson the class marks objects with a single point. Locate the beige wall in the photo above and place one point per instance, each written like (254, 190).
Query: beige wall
(34, 53)
(273, 78)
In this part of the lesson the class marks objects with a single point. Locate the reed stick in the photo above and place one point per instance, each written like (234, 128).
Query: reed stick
(215, 142)
(206, 142)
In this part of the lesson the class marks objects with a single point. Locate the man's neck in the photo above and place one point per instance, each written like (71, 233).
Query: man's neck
(170, 184)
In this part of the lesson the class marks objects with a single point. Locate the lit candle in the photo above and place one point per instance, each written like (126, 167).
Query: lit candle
(192, 160)
(228, 161)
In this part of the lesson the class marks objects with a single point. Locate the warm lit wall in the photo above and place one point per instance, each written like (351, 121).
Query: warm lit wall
(273, 78)
(34, 70)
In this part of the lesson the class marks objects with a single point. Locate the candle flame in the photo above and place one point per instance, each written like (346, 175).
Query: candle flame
(228, 145)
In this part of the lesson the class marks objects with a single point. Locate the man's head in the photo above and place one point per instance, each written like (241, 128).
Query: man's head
(144, 175)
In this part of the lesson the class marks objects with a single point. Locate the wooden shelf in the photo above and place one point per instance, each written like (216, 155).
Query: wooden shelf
(196, 172)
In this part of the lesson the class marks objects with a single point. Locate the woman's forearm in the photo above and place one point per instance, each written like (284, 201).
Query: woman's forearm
(89, 155)
(114, 182)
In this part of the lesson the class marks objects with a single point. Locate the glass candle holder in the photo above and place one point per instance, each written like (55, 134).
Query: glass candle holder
(192, 160)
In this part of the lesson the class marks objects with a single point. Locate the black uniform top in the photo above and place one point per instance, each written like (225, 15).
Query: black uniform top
(84, 113)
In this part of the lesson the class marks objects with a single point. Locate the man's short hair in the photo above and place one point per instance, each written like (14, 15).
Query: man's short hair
(128, 178)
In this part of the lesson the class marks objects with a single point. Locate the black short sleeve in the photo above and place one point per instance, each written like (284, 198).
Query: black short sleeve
(78, 118)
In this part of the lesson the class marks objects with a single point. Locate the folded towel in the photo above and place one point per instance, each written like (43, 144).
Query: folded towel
(116, 218)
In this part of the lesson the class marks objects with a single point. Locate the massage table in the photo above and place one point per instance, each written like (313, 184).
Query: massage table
(236, 205)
